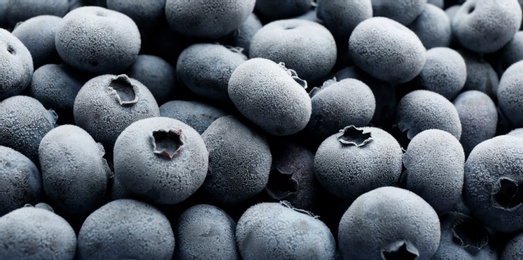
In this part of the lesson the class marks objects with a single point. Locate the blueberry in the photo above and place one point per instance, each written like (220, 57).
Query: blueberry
(204, 231)
(513, 249)
(342, 16)
(146, 14)
(512, 51)
(389, 223)
(387, 50)
(98, 40)
(437, 3)
(3, 9)
(245, 33)
(357, 160)
(272, 230)
(35, 233)
(16, 65)
(510, 93)
(275, 10)
(402, 11)
(432, 27)
(198, 115)
(516, 132)
(481, 75)
(126, 229)
(268, 95)
(21, 10)
(161, 160)
(20, 180)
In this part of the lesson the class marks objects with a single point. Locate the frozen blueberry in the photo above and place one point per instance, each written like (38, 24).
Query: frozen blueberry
(512, 52)
(420, 110)
(107, 104)
(74, 173)
(3, 19)
(205, 69)
(146, 14)
(269, 96)
(21, 10)
(402, 11)
(481, 75)
(485, 26)
(338, 104)
(357, 160)
(438, 3)
(389, 223)
(479, 118)
(198, 115)
(205, 232)
(23, 124)
(98, 40)
(161, 160)
(492, 180)
(513, 249)
(35, 233)
(210, 19)
(387, 50)
(126, 229)
(20, 180)
(275, 10)
(295, 42)
(516, 132)
(434, 163)
(451, 11)
(432, 27)
(245, 33)
(272, 230)
(342, 16)
(510, 94)
(239, 161)
(16, 65)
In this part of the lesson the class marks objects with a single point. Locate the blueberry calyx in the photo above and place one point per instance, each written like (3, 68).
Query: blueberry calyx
(470, 235)
(294, 75)
(351, 135)
(123, 90)
(507, 195)
(400, 249)
(281, 184)
(287, 204)
(167, 143)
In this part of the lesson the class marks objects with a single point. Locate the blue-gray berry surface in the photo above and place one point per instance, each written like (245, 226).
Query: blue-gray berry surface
(16, 65)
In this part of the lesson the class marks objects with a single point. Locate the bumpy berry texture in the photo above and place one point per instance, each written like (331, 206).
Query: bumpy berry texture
(272, 230)
(357, 160)
(510, 94)
(512, 52)
(21, 10)
(513, 249)
(239, 161)
(275, 10)
(342, 16)
(35, 233)
(269, 96)
(432, 27)
(126, 229)
(402, 11)
(98, 40)
(162, 160)
(20, 180)
(481, 75)
(389, 223)
(204, 231)
(198, 115)
(16, 65)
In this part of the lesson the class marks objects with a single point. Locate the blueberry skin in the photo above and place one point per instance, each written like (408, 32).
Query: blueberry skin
(420, 110)
(481, 75)
(357, 160)
(485, 26)
(271, 230)
(516, 132)
(75, 175)
(146, 14)
(20, 180)
(479, 118)
(245, 33)
(199, 115)
(387, 50)
(438, 3)
(295, 42)
(276, 10)
(16, 65)
(407, 225)
(266, 94)
(3, 18)
(98, 40)
(23, 124)
(509, 94)
(22, 10)
(432, 27)
(512, 51)
(402, 11)
(205, 69)
(435, 163)
(492, 177)
(205, 231)
(513, 249)
(107, 104)
(35, 233)
(342, 16)
(191, 18)
(161, 160)
(126, 229)
(235, 174)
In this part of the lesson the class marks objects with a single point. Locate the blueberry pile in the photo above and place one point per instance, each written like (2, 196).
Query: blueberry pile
(261, 129)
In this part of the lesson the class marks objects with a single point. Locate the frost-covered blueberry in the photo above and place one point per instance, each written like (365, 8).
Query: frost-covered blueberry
(107, 104)
(389, 223)
(513, 249)
(432, 27)
(434, 163)
(209, 19)
(161, 160)
(205, 231)
(479, 118)
(205, 69)
(402, 11)
(21, 10)
(75, 175)
(420, 110)
(198, 115)
(20, 180)
(146, 14)
(35, 233)
(245, 33)
(3, 19)
(98, 40)
(342, 16)
(481, 75)
(512, 52)
(272, 230)
(295, 42)
(485, 26)
(516, 132)
(270, 96)
(387, 50)
(16, 65)
(492, 179)
(510, 94)
(126, 229)
(357, 160)
(23, 123)
(235, 174)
